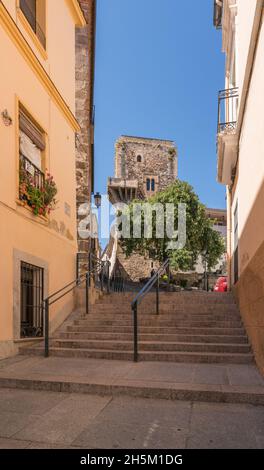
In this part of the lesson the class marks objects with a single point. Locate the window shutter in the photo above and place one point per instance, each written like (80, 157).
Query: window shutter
(32, 131)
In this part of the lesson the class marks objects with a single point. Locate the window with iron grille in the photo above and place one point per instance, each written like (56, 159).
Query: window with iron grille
(32, 288)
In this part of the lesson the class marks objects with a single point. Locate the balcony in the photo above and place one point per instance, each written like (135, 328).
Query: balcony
(218, 13)
(122, 190)
(227, 110)
(227, 140)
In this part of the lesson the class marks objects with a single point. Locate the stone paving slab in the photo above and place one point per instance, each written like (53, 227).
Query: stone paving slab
(195, 382)
(64, 422)
(92, 422)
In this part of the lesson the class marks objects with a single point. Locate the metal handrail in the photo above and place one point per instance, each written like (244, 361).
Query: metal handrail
(59, 294)
(154, 280)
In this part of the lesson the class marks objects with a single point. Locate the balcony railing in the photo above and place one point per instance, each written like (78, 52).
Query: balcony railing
(218, 13)
(29, 170)
(227, 110)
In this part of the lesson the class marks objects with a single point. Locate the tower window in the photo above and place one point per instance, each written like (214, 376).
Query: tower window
(153, 185)
(148, 184)
(139, 158)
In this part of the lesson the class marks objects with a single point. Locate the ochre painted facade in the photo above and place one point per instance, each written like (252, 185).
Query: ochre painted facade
(44, 84)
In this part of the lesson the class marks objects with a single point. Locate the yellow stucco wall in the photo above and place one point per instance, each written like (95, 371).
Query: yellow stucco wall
(52, 240)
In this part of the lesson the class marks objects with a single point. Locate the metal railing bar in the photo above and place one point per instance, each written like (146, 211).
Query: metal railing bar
(150, 283)
(85, 277)
(144, 291)
(75, 282)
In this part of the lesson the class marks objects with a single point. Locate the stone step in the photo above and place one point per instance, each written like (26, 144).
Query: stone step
(158, 329)
(180, 357)
(154, 337)
(171, 304)
(192, 297)
(151, 346)
(169, 309)
(251, 395)
(155, 321)
(162, 316)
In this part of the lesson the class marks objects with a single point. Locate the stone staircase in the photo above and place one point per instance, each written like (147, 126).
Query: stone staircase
(193, 327)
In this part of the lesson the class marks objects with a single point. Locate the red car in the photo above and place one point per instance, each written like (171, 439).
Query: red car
(221, 285)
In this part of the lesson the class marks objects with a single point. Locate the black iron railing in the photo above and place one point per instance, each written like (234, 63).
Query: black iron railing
(29, 170)
(97, 266)
(153, 282)
(100, 269)
(227, 110)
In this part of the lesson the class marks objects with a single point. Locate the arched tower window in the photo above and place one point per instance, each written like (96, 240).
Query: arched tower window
(139, 159)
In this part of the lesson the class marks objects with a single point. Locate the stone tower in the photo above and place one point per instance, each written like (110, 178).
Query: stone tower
(143, 167)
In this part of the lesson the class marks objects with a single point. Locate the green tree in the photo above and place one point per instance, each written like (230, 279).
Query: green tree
(201, 238)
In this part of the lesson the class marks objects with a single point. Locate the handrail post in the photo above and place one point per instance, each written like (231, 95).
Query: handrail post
(46, 310)
(90, 265)
(87, 293)
(135, 332)
(157, 296)
(77, 265)
(108, 276)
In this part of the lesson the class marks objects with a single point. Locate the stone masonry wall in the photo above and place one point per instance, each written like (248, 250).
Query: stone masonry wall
(84, 44)
(136, 266)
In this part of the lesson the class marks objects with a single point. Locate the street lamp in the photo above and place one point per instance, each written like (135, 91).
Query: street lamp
(98, 200)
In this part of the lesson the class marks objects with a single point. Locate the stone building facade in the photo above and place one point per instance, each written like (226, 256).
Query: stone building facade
(85, 53)
(143, 167)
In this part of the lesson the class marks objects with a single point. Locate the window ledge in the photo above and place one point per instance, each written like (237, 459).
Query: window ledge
(31, 33)
(24, 204)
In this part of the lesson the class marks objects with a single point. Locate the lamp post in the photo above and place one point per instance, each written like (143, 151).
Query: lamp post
(98, 200)
(98, 203)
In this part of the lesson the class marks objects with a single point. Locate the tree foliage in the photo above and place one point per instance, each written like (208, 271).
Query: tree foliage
(201, 238)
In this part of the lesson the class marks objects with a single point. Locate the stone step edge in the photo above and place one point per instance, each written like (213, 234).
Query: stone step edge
(172, 391)
(40, 349)
(140, 342)
(129, 328)
(105, 335)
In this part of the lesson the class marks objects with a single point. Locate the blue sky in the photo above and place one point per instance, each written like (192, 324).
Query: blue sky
(159, 67)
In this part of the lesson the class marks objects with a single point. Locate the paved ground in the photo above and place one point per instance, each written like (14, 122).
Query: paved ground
(33, 419)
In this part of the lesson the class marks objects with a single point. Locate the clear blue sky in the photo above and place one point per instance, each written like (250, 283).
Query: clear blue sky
(159, 67)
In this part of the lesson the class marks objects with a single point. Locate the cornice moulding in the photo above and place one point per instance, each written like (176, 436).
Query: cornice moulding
(76, 12)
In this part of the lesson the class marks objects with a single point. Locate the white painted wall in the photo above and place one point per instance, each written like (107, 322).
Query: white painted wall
(244, 22)
(249, 191)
